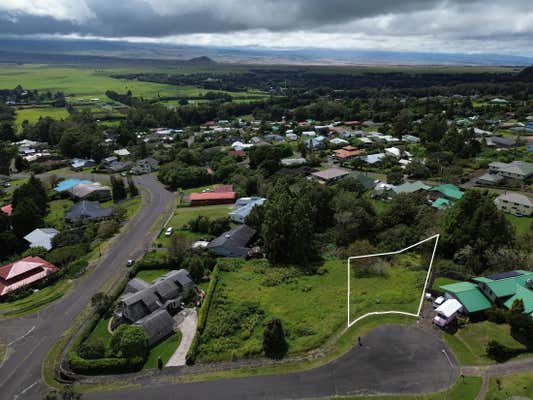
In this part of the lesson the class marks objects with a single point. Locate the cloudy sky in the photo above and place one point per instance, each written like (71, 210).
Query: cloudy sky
(470, 26)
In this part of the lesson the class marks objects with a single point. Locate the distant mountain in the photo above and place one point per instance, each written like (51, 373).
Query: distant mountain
(96, 51)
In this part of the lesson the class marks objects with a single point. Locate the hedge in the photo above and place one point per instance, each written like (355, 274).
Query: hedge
(104, 365)
(202, 317)
(151, 260)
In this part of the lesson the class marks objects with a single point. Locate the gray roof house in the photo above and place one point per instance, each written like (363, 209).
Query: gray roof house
(88, 210)
(41, 237)
(158, 325)
(514, 170)
(166, 293)
(233, 242)
(91, 191)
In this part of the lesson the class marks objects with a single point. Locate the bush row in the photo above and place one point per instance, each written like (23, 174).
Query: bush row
(202, 317)
(109, 365)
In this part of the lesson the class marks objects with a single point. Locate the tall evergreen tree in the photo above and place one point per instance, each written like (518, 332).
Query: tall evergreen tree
(274, 343)
(26, 217)
(118, 189)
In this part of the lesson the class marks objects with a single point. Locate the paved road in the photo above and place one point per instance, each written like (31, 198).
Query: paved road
(393, 359)
(31, 337)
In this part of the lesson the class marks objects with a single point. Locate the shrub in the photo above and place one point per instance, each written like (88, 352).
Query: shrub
(497, 315)
(498, 351)
(129, 341)
(65, 255)
(274, 343)
(378, 268)
(91, 350)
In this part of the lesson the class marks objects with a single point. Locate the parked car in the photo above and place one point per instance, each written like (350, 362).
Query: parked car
(130, 262)
(169, 231)
(447, 312)
(438, 301)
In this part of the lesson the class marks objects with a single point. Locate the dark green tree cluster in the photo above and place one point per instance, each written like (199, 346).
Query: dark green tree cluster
(118, 188)
(274, 343)
(30, 204)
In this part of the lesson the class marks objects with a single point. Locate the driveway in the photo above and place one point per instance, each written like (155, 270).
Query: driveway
(393, 359)
(187, 322)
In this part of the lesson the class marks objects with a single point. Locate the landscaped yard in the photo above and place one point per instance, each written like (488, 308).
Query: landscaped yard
(311, 307)
(504, 387)
(100, 332)
(56, 212)
(164, 349)
(469, 342)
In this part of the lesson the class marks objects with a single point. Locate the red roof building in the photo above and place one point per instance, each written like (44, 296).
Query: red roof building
(24, 272)
(223, 188)
(346, 153)
(8, 209)
(211, 198)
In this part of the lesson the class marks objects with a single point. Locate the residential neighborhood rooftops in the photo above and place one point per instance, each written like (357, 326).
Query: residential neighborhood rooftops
(411, 187)
(516, 198)
(449, 190)
(507, 286)
(233, 242)
(24, 272)
(41, 237)
(88, 210)
(469, 295)
(68, 184)
(330, 174)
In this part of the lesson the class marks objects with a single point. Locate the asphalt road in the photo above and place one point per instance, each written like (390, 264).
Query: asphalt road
(30, 338)
(393, 359)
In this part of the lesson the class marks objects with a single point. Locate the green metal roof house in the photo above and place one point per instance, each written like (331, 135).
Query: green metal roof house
(449, 191)
(410, 187)
(441, 203)
(524, 294)
(469, 295)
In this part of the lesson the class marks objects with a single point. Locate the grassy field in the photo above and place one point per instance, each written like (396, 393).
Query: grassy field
(522, 225)
(164, 349)
(150, 275)
(35, 301)
(32, 115)
(440, 281)
(469, 342)
(503, 387)
(312, 308)
(100, 332)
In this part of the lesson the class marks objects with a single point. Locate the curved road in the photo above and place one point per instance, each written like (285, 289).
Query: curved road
(30, 338)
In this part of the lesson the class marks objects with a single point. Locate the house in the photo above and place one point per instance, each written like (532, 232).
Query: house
(393, 152)
(346, 153)
(41, 237)
(410, 139)
(77, 164)
(490, 179)
(145, 166)
(499, 142)
(106, 162)
(68, 184)
(157, 325)
(167, 293)
(316, 143)
(122, 152)
(91, 191)
(87, 210)
(291, 136)
(374, 158)
(233, 243)
(446, 191)
(239, 215)
(338, 141)
(293, 162)
(7, 209)
(520, 170)
(514, 203)
(211, 198)
(469, 295)
(24, 272)
(330, 175)
(410, 187)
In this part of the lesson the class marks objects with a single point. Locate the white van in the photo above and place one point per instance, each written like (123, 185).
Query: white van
(447, 312)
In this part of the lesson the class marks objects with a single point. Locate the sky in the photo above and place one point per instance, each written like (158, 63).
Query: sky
(456, 26)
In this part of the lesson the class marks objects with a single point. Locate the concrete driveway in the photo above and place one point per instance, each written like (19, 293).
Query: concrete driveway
(187, 322)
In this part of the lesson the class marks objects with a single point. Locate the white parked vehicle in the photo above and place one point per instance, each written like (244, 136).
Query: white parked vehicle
(438, 301)
(169, 231)
(447, 312)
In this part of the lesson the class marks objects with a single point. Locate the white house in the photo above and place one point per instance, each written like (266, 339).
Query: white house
(41, 237)
(514, 203)
(393, 151)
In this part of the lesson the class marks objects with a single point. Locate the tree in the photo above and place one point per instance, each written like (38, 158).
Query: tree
(26, 217)
(195, 266)
(7, 152)
(101, 302)
(92, 349)
(129, 341)
(118, 188)
(132, 188)
(395, 176)
(178, 247)
(34, 190)
(401, 123)
(522, 328)
(7, 133)
(274, 343)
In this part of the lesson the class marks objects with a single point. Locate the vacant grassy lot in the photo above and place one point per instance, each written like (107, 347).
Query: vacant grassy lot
(164, 349)
(469, 342)
(522, 225)
(312, 308)
(504, 387)
(35, 301)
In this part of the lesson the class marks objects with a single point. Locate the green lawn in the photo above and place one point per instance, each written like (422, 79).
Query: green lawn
(462, 390)
(56, 212)
(440, 281)
(150, 275)
(380, 205)
(312, 308)
(522, 225)
(35, 301)
(100, 332)
(503, 387)
(132, 206)
(32, 115)
(164, 349)
(469, 342)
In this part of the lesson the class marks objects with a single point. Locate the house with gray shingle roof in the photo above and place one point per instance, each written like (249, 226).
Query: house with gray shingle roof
(514, 203)
(520, 170)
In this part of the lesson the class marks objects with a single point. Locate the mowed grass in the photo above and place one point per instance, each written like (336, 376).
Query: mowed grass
(35, 301)
(164, 349)
(441, 281)
(100, 332)
(56, 212)
(311, 307)
(522, 225)
(466, 389)
(470, 341)
(32, 115)
(504, 387)
(151, 275)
